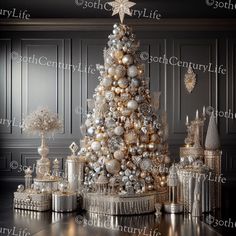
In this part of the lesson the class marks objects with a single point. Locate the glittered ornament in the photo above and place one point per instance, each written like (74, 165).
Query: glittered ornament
(146, 164)
(113, 166)
(120, 71)
(109, 95)
(139, 98)
(144, 138)
(128, 172)
(132, 71)
(131, 137)
(118, 55)
(127, 59)
(135, 82)
(106, 82)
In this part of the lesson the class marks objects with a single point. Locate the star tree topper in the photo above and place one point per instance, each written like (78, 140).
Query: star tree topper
(122, 7)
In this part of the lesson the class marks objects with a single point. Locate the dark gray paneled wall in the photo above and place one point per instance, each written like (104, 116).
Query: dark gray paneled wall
(24, 86)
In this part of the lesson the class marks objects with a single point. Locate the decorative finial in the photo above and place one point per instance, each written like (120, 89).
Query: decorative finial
(73, 147)
(190, 79)
(122, 7)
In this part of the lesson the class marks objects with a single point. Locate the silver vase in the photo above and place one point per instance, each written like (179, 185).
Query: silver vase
(43, 165)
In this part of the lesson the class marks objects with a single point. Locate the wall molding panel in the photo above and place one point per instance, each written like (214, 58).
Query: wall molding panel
(24, 86)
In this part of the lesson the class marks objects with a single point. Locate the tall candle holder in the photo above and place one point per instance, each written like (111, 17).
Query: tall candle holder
(193, 148)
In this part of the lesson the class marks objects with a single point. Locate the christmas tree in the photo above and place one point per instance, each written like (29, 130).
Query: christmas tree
(125, 141)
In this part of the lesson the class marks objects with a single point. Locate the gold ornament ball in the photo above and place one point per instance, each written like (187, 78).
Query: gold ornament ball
(119, 155)
(127, 59)
(122, 90)
(123, 83)
(118, 90)
(131, 137)
(119, 55)
(150, 187)
(143, 175)
(125, 112)
(152, 146)
(137, 125)
(113, 166)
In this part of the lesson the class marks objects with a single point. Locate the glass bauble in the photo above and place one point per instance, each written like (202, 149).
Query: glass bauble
(119, 130)
(119, 155)
(123, 83)
(96, 146)
(106, 82)
(127, 59)
(132, 71)
(111, 71)
(132, 105)
(113, 166)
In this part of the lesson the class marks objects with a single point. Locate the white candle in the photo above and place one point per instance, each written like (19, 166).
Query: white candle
(197, 116)
(204, 111)
(187, 120)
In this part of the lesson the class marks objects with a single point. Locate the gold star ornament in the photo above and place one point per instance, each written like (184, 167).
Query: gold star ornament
(122, 7)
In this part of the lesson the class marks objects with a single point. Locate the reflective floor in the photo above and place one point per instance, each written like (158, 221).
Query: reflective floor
(26, 223)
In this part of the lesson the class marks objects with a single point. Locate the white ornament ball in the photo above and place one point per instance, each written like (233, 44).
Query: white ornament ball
(91, 131)
(132, 71)
(113, 166)
(119, 155)
(99, 136)
(96, 146)
(106, 82)
(127, 59)
(119, 130)
(112, 71)
(88, 123)
(132, 105)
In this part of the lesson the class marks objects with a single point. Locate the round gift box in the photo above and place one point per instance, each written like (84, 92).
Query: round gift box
(64, 202)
